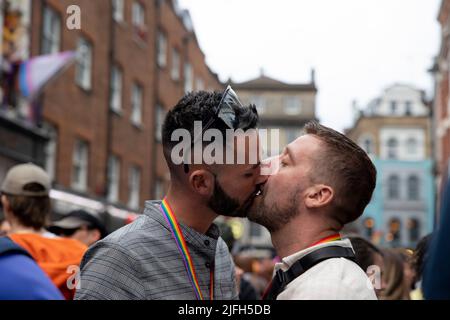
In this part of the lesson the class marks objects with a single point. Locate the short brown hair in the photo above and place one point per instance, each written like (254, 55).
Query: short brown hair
(347, 169)
(32, 212)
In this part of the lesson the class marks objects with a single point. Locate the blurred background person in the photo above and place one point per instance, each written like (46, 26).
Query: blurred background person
(393, 277)
(436, 276)
(367, 256)
(4, 227)
(26, 205)
(244, 286)
(409, 274)
(418, 261)
(80, 225)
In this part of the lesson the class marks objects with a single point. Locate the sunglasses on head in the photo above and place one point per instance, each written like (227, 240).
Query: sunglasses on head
(224, 111)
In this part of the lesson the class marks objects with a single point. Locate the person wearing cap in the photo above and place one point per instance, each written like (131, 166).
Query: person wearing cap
(26, 205)
(79, 225)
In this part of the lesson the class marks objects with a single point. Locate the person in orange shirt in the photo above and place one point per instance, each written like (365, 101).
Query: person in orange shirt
(26, 205)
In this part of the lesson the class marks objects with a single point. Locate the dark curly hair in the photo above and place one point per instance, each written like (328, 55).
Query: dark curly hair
(200, 106)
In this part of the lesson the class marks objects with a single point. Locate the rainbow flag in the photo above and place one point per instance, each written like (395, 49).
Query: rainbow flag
(36, 72)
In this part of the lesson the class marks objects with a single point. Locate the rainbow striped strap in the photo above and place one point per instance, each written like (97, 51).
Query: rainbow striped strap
(334, 237)
(184, 251)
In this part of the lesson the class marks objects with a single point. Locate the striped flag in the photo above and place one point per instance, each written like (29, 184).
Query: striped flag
(36, 72)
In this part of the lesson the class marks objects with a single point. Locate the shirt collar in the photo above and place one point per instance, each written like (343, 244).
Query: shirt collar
(288, 261)
(192, 236)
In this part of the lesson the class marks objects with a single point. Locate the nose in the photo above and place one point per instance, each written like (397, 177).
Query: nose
(270, 165)
(261, 179)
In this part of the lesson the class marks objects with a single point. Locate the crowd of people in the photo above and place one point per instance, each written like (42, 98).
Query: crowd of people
(174, 250)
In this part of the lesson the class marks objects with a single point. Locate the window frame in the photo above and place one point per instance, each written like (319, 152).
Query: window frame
(53, 36)
(137, 120)
(84, 65)
(80, 160)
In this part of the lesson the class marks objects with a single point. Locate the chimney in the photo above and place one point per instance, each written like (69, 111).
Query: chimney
(313, 76)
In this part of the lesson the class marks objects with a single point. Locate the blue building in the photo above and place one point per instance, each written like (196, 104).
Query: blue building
(395, 131)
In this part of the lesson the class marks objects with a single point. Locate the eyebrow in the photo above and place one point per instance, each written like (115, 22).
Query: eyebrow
(256, 165)
(289, 152)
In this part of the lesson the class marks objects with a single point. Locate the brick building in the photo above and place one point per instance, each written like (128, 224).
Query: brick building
(441, 107)
(102, 116)
(180, 68)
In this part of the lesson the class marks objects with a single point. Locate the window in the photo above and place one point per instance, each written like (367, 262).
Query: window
(113, 178)
(138, 15)
(115, 101)
(138, 20)
(413, 188)
(259, 102)
(394, 235)
(160, 115)
(188, 78)
(199, 84)
(162, 49)
(51, 31)
(175, 71)
(50, 151)
(136, 104)
(84, 64)
(413, 230)
(367, 145)
(393, 106)
(292, 105)
(80, 165)
(118, 10)
(408, 108)
(411, 146)
(134, 182)
(392, 152)
(393, 187)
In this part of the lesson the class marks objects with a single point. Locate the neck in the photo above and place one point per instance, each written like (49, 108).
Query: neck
(188, 212)
(299, 234)
(17, 228)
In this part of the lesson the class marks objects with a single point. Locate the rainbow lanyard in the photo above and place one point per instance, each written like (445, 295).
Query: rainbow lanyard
(334, 237)
(184, 251)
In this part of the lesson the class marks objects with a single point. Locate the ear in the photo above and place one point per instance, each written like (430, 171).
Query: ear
(202, 182)
(5, 204)
(96, 234)
(318, 196)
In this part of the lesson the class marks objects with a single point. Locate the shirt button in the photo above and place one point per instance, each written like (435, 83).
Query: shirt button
(206, 242)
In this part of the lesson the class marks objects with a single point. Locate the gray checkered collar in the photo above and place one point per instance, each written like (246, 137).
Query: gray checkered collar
(198, 239)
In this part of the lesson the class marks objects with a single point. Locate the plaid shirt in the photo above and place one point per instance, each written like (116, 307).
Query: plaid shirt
(142, 261)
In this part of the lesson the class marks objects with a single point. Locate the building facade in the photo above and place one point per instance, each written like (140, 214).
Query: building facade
(395, 131)
(283, 109)
(441, 103)
(97, 131)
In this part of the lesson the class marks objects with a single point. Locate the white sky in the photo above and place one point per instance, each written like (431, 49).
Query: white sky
(358, 47)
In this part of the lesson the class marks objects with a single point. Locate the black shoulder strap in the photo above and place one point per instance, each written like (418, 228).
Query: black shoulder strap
(283, 278)
(8, 246)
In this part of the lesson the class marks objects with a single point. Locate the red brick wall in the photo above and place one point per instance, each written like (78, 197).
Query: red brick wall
(80, 114)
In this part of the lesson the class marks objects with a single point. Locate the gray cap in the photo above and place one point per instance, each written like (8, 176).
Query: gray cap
(19, 176)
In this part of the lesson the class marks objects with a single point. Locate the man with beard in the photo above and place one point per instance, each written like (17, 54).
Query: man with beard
(173, 251)
(323, 181)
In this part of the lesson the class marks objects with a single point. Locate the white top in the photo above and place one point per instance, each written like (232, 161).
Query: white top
(332, 279)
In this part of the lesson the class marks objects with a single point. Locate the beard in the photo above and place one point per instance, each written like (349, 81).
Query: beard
(274, 215)
(223, 204)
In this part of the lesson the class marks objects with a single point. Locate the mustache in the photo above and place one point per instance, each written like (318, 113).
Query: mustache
(245, 207)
